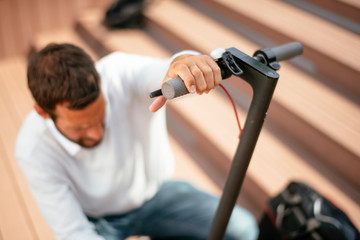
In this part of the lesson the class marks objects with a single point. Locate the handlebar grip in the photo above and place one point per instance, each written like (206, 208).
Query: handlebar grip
(287, 51)
(174, 88)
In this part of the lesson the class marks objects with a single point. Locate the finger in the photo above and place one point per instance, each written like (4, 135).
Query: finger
(208, 67)
(215, 70)
(157, 104)
(200, 81)
(183, 71)
(208, 76)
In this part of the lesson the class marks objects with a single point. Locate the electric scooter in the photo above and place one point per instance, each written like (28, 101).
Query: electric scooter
(260, 72)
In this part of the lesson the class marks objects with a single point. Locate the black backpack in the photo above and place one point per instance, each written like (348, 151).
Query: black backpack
(125, 14)
(299, 212)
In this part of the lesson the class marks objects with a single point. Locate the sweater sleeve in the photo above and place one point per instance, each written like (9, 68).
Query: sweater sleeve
(131, 73)
(57, 203)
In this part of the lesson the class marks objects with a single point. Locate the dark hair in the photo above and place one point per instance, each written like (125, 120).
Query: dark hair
(62, 73)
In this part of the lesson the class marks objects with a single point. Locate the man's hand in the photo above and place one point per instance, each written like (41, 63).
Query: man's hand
(200, 74)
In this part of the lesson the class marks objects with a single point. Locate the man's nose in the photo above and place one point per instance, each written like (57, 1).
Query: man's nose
(95, 132)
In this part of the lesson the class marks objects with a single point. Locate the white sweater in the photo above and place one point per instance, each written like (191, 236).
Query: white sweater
(116, 176)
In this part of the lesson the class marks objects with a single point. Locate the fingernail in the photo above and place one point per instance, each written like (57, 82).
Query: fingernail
(193, 89)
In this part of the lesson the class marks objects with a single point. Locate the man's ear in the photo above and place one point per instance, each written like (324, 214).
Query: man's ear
(41, 111)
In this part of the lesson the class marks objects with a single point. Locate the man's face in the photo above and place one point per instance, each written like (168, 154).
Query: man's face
(85, 126)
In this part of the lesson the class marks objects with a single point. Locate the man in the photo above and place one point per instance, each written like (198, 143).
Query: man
(98, 162)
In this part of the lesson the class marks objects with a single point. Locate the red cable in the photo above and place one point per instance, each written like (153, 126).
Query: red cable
(234, 107)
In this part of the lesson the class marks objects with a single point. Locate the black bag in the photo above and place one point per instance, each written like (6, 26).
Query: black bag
(125, 14)
(299, 212)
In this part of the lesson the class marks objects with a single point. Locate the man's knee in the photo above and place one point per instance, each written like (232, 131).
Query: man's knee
(242, 226)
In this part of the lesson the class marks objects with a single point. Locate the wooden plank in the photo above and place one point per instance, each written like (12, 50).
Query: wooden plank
(2, 31)
(25, 15)
(17, 22)
(44, 11)
(35, 16)
(7, 29)
(66, 11)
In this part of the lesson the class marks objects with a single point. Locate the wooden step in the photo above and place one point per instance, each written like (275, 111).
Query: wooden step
(319, 111)
(353, 3)
(129, 40)
(65, 35)
(340, 8)
(279, 164)
(20, 217)
(21, 20)
(331, 48)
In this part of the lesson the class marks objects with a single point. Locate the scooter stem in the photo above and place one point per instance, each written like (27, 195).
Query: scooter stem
(263, 80)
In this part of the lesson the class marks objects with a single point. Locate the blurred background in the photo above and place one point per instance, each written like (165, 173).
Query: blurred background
(312, 130)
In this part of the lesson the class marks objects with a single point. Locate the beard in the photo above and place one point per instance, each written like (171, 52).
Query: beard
(84, 141)
(88, 142)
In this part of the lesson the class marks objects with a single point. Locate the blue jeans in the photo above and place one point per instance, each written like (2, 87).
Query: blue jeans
(179, 212)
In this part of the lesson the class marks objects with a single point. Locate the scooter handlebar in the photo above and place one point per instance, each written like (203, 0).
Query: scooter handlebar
(287, 51)
(175, 87)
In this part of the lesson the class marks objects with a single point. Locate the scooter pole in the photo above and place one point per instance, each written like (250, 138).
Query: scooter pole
(260, 72)
(263, 81)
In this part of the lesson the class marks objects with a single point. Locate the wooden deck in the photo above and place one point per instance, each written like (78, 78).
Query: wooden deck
(312, 131)
(20, 217)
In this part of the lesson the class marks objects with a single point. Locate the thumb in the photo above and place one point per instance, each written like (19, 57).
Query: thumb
(157, 104)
